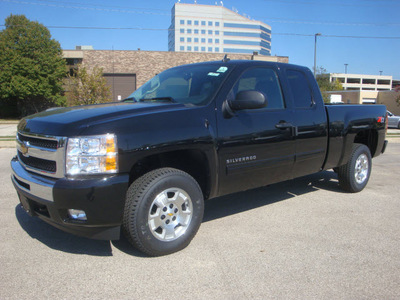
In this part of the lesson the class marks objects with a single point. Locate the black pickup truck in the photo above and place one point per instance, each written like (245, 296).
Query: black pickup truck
(194, 132)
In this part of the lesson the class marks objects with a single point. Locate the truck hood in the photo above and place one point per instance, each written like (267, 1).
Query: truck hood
(73, 120)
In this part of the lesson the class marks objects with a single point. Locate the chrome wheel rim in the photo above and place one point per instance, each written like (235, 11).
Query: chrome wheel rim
(361, 169)
(170, 214)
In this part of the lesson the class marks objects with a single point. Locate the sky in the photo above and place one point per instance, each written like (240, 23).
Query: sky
(365, 34)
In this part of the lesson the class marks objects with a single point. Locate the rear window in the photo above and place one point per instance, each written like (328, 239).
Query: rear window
(300, 88)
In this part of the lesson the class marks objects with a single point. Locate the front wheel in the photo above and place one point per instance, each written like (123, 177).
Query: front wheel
(354, 176)
(163, 211)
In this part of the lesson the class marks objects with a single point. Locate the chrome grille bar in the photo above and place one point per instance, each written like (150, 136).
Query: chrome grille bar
(34, 149)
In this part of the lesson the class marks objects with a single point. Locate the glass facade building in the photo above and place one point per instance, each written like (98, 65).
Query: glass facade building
(212, 28)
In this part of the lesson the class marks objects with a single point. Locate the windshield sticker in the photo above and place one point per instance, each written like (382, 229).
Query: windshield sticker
(222, 70)
(213, 74)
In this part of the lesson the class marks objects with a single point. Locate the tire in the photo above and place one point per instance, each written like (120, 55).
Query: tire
(354, 176)
(163, 211)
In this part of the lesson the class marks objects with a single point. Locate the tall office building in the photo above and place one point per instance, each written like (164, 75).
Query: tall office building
(213, 28)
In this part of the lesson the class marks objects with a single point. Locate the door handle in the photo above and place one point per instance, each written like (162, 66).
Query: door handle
(283, 125)
(286, 125)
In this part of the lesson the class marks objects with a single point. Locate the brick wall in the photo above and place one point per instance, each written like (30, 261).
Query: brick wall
(146, 64)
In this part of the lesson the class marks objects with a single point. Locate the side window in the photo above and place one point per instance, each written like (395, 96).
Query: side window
(265, 81)
(300, 89)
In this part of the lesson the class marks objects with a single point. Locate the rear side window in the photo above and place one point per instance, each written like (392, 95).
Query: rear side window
(300, 89)
(263, 80)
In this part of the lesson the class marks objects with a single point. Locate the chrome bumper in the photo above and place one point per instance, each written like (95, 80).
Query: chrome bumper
(35, 185)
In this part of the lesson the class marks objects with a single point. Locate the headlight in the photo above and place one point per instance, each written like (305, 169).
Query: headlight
(92, 154)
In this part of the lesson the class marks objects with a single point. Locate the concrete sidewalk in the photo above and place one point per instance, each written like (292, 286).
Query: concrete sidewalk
(8, 130)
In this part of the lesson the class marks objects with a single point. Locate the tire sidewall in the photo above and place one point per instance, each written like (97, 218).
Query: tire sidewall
(360, 150)
(144, 234)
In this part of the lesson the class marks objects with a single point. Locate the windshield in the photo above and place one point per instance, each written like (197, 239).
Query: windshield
(192, 84)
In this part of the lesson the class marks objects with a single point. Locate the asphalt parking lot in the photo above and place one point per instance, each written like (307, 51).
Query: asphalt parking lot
(301, 239)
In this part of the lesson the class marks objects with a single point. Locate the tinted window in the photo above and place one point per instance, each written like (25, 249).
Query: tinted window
(263, 80)
(191, 84)
(300, 89)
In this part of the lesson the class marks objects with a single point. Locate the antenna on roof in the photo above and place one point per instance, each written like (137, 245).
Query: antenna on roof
(226, 59)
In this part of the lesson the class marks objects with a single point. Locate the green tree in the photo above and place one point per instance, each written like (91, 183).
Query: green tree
(31, 67)
(88, 87)
(326, 85)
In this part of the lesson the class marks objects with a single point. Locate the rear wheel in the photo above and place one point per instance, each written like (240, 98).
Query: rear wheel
(163, 211)
(354, 176)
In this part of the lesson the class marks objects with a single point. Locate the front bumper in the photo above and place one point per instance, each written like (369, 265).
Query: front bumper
(102, 197)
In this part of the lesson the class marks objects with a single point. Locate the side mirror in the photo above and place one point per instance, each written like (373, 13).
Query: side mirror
(248, 100)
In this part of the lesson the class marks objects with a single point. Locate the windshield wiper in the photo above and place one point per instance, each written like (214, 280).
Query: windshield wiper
(129, 99)
(167, 99)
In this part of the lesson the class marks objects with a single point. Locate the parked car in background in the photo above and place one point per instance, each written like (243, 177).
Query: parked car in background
(393, 121)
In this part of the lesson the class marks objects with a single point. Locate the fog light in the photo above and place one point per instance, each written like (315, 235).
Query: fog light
(77, 214)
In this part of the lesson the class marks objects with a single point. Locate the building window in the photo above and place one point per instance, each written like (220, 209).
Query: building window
(203, 23)
(210, 23)
(210, 41)
(189, 30)
(182, 48)
(189, 22)
(189, 40)
(189, 48)
(196, 31)
(182, 39)
(203, 32)
(196, 22)
(196, 40)
(210, 32)
(217, 41)
(209, 49)
(216, 23)
(203, 49)
(216, 49)
(216, 32)
(182, 22)
(182, 30)
(196, 48)
(203, 40)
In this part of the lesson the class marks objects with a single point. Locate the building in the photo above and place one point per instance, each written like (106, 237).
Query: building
(388, 98)
(356, 82)
(125, 71)
(212, 28)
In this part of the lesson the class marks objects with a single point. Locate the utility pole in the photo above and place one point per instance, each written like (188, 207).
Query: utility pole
(315, 53)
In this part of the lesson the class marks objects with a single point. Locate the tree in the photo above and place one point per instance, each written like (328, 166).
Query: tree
(31, 67)
(326, 85)
(88, 88)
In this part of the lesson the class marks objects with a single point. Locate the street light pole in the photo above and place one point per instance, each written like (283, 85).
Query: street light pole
(345, 68)
(315, 53)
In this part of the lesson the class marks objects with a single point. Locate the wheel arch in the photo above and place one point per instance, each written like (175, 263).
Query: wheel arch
(192, 161)
(369, 138)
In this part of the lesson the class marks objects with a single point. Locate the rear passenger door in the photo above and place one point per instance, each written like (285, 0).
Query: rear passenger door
(255, 146)
(310, 120)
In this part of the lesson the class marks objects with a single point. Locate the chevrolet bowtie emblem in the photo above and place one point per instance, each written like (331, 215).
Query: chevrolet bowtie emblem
(25, 149)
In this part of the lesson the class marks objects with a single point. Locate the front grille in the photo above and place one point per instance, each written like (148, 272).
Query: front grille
(38, 163)
(44, 155)
(38, 142)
